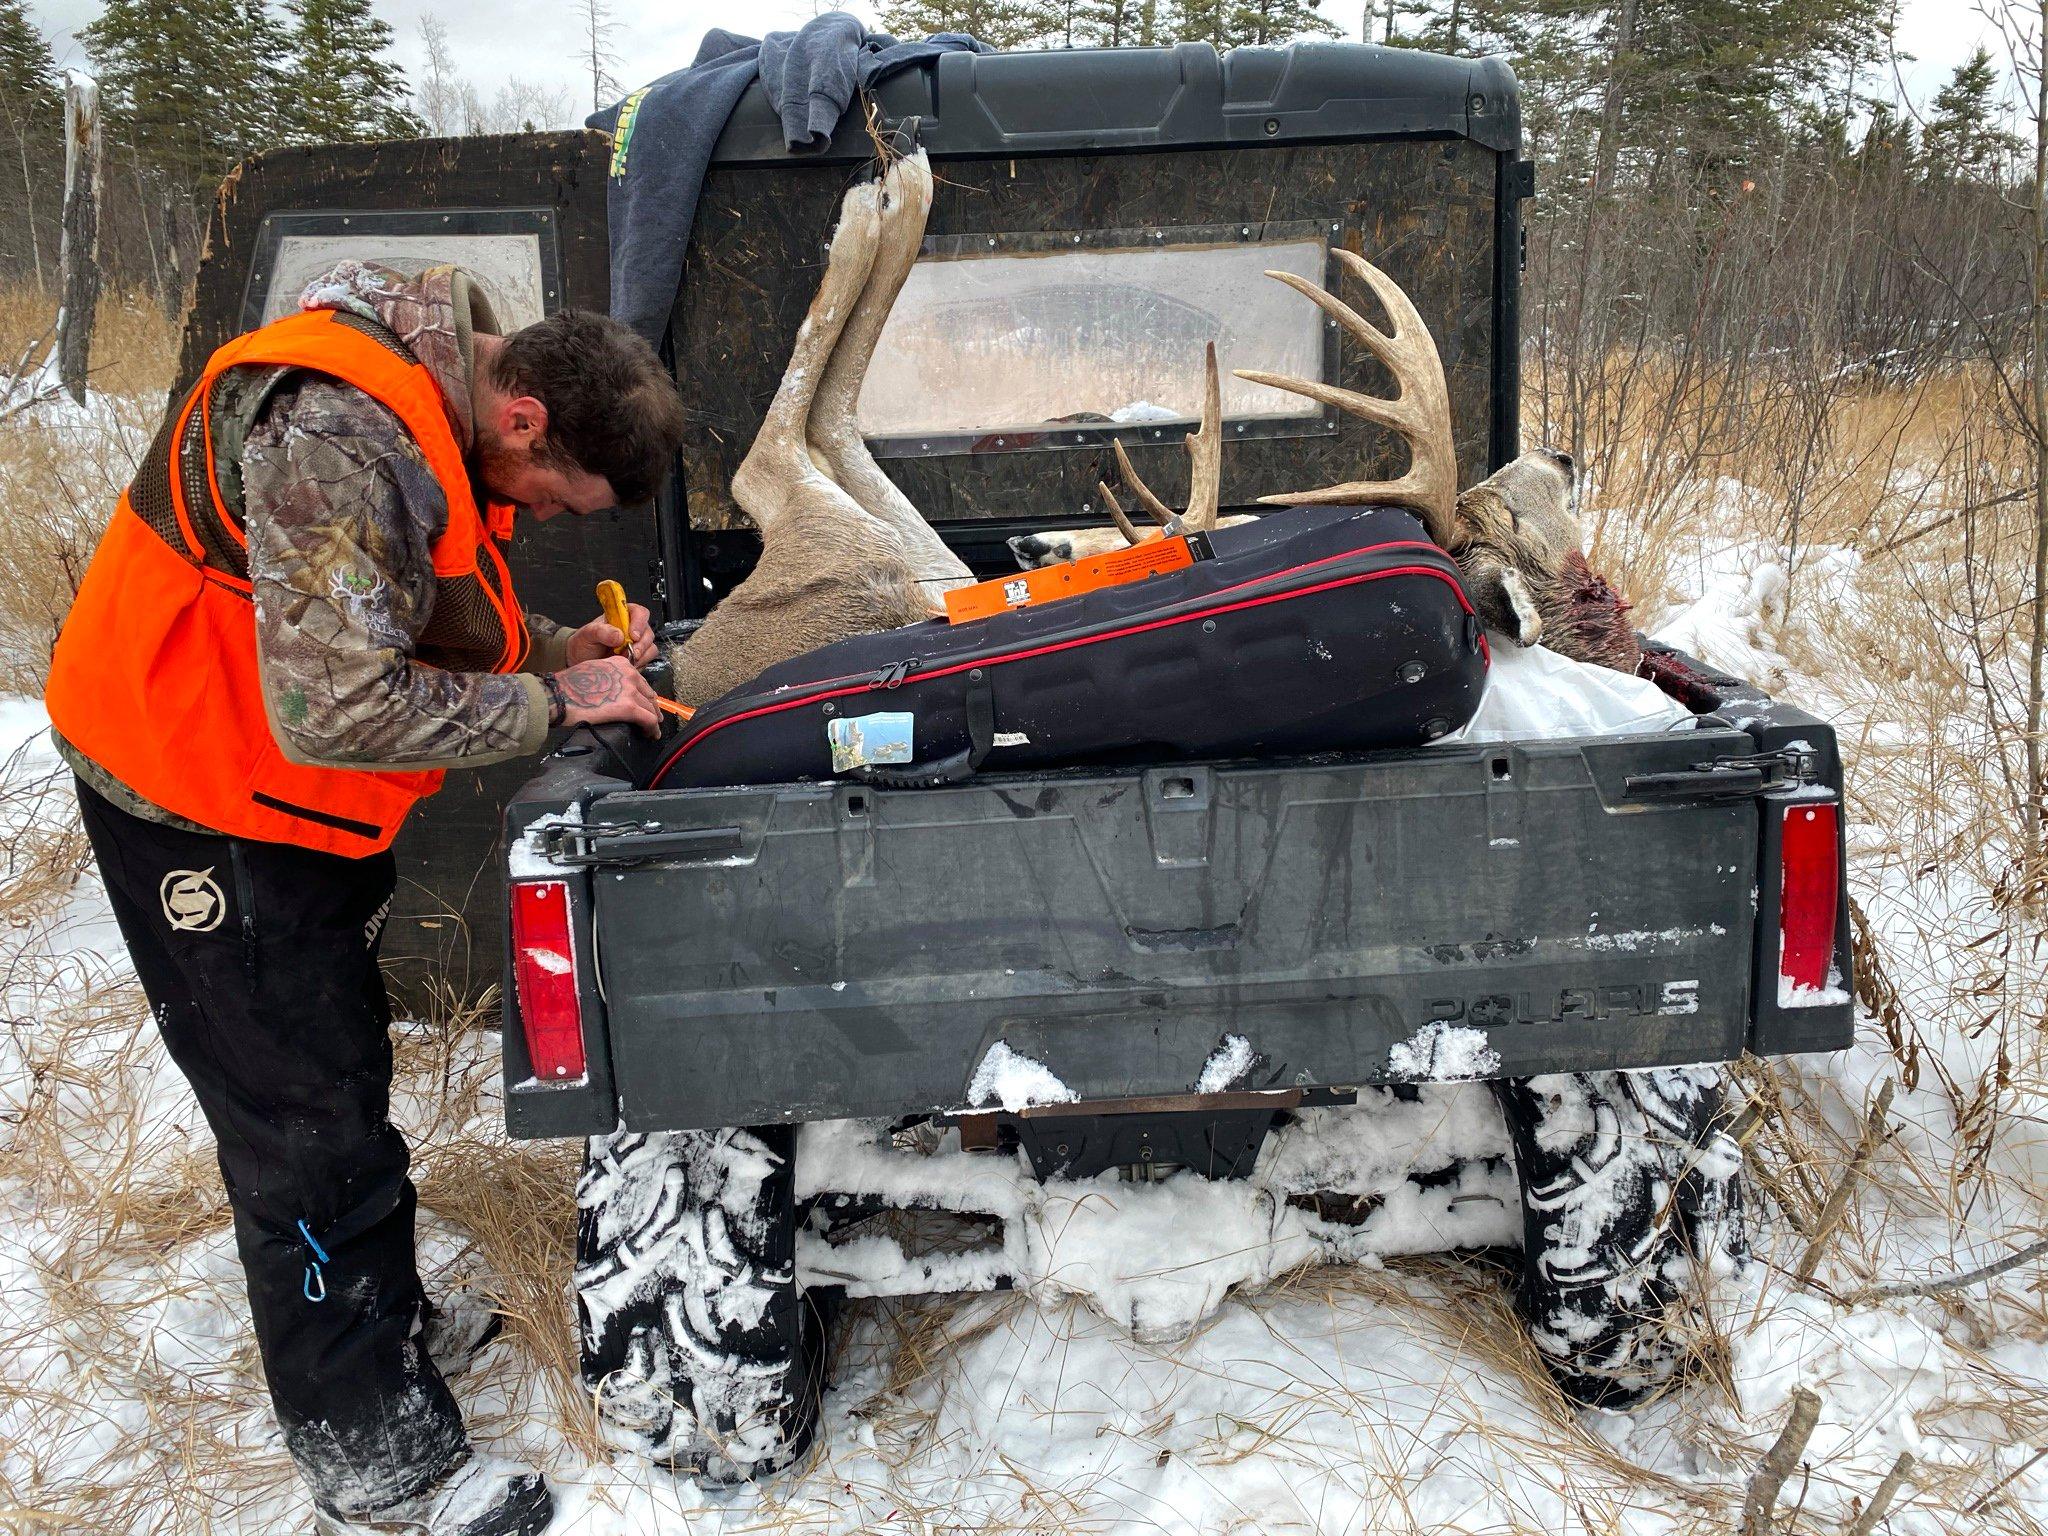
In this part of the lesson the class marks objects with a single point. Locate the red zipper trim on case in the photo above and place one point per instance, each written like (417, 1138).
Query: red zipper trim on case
(868, 686)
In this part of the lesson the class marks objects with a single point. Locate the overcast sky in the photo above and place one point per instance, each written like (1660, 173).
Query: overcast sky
(495, 38)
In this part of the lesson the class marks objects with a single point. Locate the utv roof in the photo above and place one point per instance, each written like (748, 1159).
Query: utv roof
(1186, 96)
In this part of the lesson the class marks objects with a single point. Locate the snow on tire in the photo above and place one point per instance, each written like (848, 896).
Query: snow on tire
(1632, 1202)
(696, 1342)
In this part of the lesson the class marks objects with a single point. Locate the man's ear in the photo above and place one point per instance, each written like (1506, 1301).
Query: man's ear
(522, 419)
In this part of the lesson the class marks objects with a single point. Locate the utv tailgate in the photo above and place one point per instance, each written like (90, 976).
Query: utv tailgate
(817, 951)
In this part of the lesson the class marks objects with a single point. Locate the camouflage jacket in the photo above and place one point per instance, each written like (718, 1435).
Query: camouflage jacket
(341, 517)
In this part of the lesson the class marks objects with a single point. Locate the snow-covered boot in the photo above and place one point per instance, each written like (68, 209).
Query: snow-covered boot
(482, 1497)
(458, 1330)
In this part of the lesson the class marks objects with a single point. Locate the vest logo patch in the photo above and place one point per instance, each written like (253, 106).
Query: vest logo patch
(192, 900)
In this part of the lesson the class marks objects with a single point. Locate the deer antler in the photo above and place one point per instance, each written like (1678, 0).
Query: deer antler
(1420, 413)
(1205, 468)
(1205, 452)
(1117, 514)
(1162, 514)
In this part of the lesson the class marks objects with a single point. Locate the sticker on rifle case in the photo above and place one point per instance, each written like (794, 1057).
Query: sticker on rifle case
(870, 740)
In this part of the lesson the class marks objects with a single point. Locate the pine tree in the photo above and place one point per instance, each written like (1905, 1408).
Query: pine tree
(1202, 21)
(190, 85)
(1115, 23)
(1887, 137)
(999, 23)
(341, 86)
(1277, 21)
(1468, 27)
(1962, 140)
(1689, 85)
(32, 113)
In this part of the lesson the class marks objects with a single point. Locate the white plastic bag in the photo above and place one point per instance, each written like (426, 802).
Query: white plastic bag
(1533, 692)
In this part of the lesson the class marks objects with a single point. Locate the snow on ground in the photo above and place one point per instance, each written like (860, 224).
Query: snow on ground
(1322, 1398)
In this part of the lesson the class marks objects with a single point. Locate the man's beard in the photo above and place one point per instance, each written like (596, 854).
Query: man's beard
(497, 465)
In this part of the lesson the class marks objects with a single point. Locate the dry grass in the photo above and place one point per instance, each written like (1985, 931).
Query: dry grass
(64, 467)
(134, 344)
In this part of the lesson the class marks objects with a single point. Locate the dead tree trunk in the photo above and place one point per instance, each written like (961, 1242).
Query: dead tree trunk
(78, 259)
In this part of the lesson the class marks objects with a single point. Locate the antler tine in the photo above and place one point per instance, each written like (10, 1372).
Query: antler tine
(1420, 413)
(1117, 514)
(1161, 512)
(1205, 451)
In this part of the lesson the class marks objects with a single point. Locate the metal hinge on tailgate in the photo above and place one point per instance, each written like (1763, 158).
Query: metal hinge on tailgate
(1727, 778)
(635, 843)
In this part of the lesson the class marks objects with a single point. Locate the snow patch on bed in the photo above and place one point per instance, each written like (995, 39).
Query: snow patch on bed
(1016, 1081)
(1227, 1065)
(1443, 1053)
(527, 859)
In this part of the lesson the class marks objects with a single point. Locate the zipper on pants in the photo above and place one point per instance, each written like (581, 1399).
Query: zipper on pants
(245, 899)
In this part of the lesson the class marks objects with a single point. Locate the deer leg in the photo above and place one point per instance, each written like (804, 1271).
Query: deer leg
(778, 478)
(834, 426)
(827, 569)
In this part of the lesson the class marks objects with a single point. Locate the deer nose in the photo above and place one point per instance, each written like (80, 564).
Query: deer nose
(1562, 460)
(1029, 548)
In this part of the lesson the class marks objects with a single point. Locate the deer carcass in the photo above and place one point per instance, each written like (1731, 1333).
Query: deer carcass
(843, 552)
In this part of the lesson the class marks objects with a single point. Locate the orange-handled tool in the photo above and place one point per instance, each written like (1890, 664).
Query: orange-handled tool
(611, 600)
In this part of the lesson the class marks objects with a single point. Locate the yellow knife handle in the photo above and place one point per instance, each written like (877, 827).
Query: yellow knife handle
(611, 597)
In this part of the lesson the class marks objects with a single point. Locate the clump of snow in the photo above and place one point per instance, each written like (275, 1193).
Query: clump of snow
(1443, 1053)
(1015, 1081)
(527, 859)
(1792, 994)
(1227, 1066)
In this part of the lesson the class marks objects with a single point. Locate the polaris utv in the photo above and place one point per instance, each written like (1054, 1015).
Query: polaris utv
(835, 1038)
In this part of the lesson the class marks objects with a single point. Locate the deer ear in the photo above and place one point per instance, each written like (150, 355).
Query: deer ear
(1528, 625)
(1486, 585)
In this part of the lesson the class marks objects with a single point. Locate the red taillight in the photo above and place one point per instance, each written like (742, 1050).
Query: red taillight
(1810, 855)
(544, 970)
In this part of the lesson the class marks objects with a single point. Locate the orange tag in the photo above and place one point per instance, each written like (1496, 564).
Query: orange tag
(1050, 583)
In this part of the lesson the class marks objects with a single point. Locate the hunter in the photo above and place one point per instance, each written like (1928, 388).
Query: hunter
(299, 616)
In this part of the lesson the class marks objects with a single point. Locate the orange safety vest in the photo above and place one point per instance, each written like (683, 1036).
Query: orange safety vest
(155, 674)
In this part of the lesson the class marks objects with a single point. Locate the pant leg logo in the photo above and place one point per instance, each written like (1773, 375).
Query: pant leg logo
(192, 900)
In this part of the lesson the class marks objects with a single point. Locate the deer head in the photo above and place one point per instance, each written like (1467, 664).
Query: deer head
(1513, 533)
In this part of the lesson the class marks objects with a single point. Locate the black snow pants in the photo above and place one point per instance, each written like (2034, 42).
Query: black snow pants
(260, 964)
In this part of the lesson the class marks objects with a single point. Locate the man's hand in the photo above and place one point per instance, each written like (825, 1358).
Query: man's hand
(600, 638)
(599, 692)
